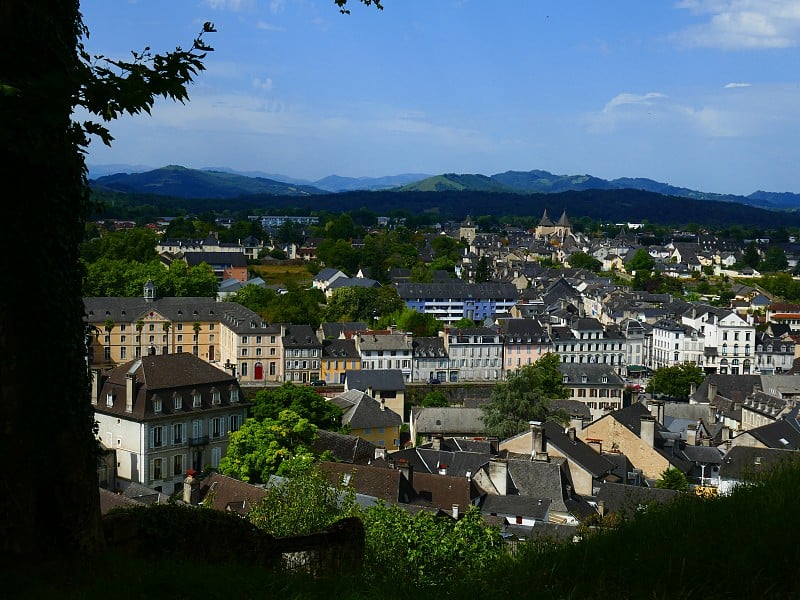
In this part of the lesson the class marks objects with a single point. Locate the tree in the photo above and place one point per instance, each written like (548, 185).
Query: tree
(45, 75)
(362, 304)
(641, 261)
(673, 479)
(408, 319)
(581, 260)
(261, 447)
(675, 381)
(751, 256)
(524, 397)
(482, 270)
(304, 503)
(300, 399)
(435, 399)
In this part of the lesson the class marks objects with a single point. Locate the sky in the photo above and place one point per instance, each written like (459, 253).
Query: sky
(702, 94)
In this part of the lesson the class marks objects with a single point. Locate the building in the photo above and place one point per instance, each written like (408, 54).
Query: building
(165, 414)
(452, 301)
(370, 419)
(385, 350)
(477, 353)
(524, 342)
(302, 353)
(597, 386)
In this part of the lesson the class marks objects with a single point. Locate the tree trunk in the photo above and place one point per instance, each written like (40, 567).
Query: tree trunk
(50, 501)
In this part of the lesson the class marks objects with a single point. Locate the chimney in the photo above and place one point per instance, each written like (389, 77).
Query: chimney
(712, 391)
(576, 423)
(596, 445)
(380, 453)
(537, 441)
(691, 435)
(726, 433)
(571, 434)
(498, 474)
(130, 387)
(455, 511)
(406, 470)
(442, 469)
(648, 430)
(436, 442)
(383, 405)
(191, 488)
(95, 385)
(601, 508)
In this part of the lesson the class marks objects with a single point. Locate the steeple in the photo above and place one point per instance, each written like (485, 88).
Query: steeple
(564, 221)
(545, 222)
(149, 290)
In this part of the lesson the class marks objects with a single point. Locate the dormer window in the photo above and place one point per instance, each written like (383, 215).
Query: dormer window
(196, 399)
(565, 379)
(584, 378)
(177, 401)
(156, 404)
(234, 394)
(604, 379)
(215, 398)
(110, 399)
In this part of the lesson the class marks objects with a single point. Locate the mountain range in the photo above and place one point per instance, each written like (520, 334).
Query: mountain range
(182, 182)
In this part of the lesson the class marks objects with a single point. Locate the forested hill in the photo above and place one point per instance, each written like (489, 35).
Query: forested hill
(614, 206)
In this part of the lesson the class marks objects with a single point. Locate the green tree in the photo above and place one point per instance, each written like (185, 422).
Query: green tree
(301, 504)
(525, 396)
(673, 479)
(408, 319)
(427, 549)
(339, 254)
(46, 79)
(640, 261)
(751, 256)
(675, 381)
(362, 304)
(464, 323)
(435, 399)
(774, 260)
(300, 399)
(581, 260)
(483, 271)
(137, 244)
(261, 447)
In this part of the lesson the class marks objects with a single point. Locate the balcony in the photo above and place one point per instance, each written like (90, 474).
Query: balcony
(200, 440)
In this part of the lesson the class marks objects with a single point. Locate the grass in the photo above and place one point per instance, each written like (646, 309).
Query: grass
(742, 546)
(284, 273)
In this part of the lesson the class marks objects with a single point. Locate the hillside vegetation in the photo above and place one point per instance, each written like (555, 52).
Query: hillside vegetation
(742, 546)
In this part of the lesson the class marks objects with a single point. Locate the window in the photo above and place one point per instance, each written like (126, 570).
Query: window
(177, 464)
(157, 438)
(211, 326)
(156, 404)
(216, 427)
(243, 369)
(177, 401)
(180, 337)
(177, 433)
(107, 353)
(196, 399)
(110, 400)
(235, 423)
(158, 469)
(215, 397)
(216, 456)
(197, 428)
(179, 349)
(244, 339)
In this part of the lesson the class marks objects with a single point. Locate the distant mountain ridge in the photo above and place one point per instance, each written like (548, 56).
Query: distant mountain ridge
(182, 182)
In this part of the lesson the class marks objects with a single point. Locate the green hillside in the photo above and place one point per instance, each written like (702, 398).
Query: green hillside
(458, 183)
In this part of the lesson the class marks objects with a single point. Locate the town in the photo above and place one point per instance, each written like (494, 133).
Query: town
(174, 377)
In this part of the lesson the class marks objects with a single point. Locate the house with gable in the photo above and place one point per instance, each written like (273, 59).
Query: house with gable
(634, 432)
(598, 386)
(585, 467)
(446, 421)
(164, 415)
(369, 419)
(387, 386)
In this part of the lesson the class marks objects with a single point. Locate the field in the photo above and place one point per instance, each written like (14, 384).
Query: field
(284, 273)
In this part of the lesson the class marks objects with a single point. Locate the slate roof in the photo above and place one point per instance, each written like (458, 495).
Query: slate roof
(362, 411)
(230, 494)
(594, 373)
(449, 420)
(576, 450)
(337, 348)
(345, 448)
(743, 461)
(429, 347)
(457, 289)
(110, 500)
(370, 341)
(620, 498)
(538, 479)
(231, 259)
(516, 506)
(164, 375)
(457, 462)
(378, 380)
(300, 336)
(778, 434)
(443, 490)
(379, 482)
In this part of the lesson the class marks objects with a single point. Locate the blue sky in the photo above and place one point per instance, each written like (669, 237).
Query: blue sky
(703, 94)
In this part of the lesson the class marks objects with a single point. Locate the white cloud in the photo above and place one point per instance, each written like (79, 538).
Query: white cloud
(231, 5)
(262, 84)
(742, 24)
(635, 99)
(269, 27)
(734, 85)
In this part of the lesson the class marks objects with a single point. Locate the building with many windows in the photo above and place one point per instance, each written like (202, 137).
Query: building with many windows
(165, 414)
(477, 353)
(302, 353)
(729, 339)
(452, 301)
